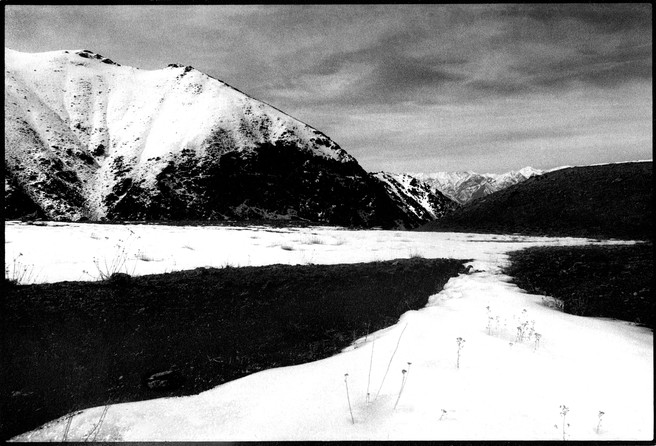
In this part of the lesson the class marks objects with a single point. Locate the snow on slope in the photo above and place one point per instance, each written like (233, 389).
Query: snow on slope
(509, 178)
(414, 196)
(93, 124)
(464, 186)
(504, 389)
(599, 164)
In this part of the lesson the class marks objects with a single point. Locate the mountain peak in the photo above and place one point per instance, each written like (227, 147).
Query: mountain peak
(528, 171)
(87, 54)
(464, 186)
(187, 68)
(415, 197)
(88, 138)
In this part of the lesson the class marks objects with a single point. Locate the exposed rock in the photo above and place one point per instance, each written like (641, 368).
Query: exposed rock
(166, 380)
(415, 198)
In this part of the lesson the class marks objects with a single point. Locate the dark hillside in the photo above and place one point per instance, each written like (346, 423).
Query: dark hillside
(600, 281)
(84, 344)
(609, 201)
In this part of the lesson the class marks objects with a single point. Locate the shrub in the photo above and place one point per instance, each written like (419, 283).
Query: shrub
(118, 263)
(405, 378)
(19, 273)
(119, 279)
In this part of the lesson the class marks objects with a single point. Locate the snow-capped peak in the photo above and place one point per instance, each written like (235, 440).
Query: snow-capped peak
(529, 171)
(414, 196)
(464, 186)
(109, 125)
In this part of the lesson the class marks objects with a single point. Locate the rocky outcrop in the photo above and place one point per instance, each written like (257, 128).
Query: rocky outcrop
(418, 201)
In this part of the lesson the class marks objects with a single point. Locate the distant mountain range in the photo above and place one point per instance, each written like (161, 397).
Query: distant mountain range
(609, 200)
(87, 138)
(464, 186)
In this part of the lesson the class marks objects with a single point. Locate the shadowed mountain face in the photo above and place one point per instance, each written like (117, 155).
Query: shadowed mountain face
(613, 200)
(274, 181)
(87, 138)
(418, 200)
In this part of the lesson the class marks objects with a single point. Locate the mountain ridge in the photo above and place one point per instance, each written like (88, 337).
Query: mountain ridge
(608, 200)
(464, 186)
(416, 197)
(89, 138)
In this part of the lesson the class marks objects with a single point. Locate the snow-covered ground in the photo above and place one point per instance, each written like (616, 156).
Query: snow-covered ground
(510, 383)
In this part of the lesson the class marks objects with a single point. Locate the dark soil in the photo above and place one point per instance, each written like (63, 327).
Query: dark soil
(609, 201)
(604, 281)
(72, 345)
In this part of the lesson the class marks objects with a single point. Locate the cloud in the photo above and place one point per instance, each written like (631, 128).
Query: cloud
(482, 86)
(379, 74)
(605, 17)
(437, 52)
(553, 47)
(396, 53)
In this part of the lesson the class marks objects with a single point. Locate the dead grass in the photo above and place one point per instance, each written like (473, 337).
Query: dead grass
(606, 281)
(73, 345)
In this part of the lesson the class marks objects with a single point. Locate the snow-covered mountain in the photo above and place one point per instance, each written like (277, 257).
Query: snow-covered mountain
(464, 186)
(88, 138)
(415, 197)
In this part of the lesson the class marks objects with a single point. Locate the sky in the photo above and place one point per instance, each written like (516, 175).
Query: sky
(402, 88)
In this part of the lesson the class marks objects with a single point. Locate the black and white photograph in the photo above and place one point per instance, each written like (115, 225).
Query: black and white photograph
(328, 222)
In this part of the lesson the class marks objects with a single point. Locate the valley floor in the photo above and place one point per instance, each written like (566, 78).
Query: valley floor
(483, 360)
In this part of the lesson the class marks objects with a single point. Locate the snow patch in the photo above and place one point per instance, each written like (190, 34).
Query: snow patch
(501, 387)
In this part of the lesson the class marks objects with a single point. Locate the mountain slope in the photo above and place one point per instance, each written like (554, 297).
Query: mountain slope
(88, 138)
(466, 186)
(418, 200)
(613, 200)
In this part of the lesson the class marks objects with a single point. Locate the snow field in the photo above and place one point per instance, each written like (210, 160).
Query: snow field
(75, 251)
(504, 388)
